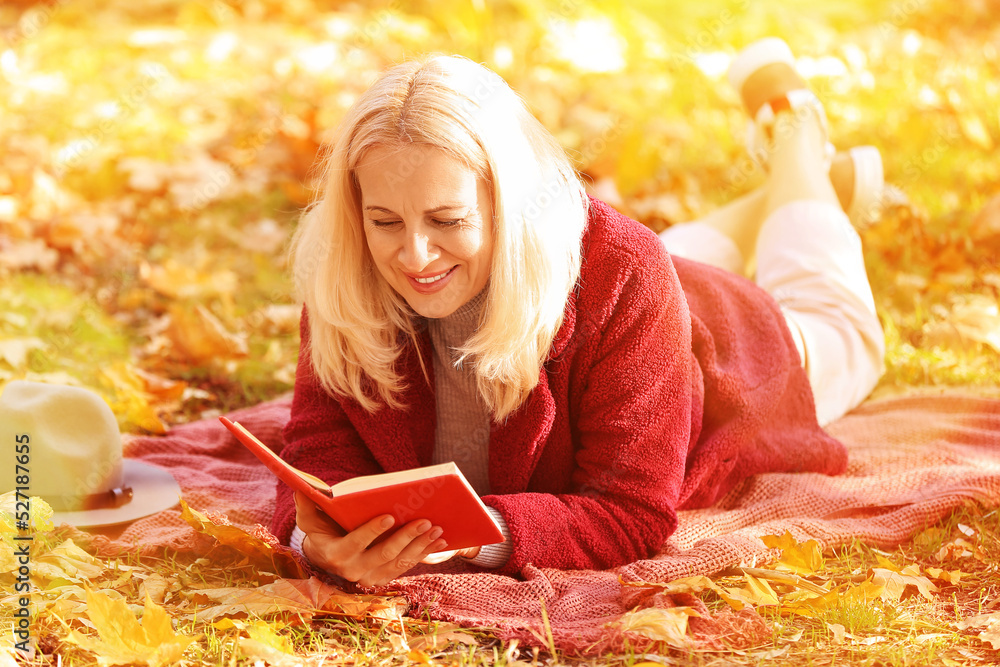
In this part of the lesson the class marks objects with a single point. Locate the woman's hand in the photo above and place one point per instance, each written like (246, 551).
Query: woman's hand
(348, 555)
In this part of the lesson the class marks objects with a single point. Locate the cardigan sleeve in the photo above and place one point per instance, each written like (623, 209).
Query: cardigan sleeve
(632, 425)
(319, 437)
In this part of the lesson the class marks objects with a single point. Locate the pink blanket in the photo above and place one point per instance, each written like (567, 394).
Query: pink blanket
(912, 460)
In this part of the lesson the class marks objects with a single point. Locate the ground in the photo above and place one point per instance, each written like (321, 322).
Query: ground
(156, 156)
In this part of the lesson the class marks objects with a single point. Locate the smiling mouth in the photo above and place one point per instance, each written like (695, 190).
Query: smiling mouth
(434, 279)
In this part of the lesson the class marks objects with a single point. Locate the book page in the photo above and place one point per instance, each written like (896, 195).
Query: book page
(356, 484)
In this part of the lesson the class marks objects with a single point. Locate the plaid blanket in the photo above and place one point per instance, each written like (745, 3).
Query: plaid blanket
(913, 459)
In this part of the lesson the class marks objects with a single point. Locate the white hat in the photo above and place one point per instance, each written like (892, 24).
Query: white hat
(68, 440)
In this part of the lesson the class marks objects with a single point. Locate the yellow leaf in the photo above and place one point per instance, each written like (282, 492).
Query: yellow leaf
(666, 625)
(123, 640)
(864, 592)
(68, 561)
(267, 633)
(259, 652)
(895, 583)
(799, 558)
(760, 592)
(810, 604)
(886, 563)
(200, 337)
(419, 657)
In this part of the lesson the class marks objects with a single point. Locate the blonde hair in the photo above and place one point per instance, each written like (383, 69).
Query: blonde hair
(358, 325)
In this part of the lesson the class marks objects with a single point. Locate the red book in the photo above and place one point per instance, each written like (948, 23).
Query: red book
(438, 493)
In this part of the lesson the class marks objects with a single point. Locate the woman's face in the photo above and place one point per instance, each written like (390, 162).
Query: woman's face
(429, 224)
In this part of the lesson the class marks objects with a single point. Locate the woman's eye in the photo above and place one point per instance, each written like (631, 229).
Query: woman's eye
(384, 223)
(448, 223)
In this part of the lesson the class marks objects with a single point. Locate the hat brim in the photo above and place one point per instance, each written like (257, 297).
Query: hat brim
(153, 490)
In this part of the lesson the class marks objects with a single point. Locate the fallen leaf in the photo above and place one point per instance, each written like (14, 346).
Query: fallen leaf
(182, 281)
(267, 633)
(864, 592)
(951, 577)
(838, 631)
(200, 337)
(28, 254)
(154, 586)
(124, 641)
(67, 561)
(800, 558)
(896, 583)
(260, 652)
(304, 597)
(418, 657)
(15, 351)
(759, 591)
(663, 625)
(979, 621)
(439, 640)
(991, 635)
(260, 547)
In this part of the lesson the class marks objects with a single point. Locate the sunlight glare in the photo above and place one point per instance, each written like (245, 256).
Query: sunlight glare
(52, 84)
(714, 64)
(107, 109)
(156, 37)
(928, 96)
(318, 57)
(503, 56)
(8, 63)
(338, 27)
(825, 66)
(590, 45)
(855, 57)
(912, 43)
(221, 47)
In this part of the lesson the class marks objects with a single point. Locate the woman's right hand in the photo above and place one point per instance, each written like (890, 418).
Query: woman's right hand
(352, 556)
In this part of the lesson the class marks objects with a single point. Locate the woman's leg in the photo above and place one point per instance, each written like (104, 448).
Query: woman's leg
(809, 259)
(725, 238)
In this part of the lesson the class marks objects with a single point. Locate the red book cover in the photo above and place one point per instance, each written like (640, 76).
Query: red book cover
(439, 493)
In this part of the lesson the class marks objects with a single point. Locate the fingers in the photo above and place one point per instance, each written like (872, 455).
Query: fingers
(360, 555)
(312, 520)
(387, 560)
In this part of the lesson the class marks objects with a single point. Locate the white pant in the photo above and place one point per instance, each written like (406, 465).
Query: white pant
(809, 259)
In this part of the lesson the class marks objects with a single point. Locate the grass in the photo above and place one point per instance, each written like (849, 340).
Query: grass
(911, 631)
(916, 82)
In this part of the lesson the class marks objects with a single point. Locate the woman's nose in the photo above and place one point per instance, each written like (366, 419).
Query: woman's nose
(417, 251)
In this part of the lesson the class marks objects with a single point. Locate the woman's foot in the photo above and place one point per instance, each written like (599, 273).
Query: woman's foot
(765, 77)
(858, 180)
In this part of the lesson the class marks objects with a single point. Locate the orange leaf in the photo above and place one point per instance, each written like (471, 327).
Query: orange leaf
(303, 597)
(262, 548)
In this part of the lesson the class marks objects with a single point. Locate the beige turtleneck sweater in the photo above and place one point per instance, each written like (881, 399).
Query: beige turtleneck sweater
(463, 421)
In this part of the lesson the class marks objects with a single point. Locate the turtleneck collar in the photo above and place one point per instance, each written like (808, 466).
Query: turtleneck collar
(467, 314)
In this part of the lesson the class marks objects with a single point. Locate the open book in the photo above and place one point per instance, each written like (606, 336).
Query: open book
(439, 493)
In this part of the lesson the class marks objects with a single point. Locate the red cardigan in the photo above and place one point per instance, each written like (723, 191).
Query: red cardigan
(668, 383)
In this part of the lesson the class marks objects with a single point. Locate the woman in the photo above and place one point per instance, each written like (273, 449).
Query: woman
(464, 300)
